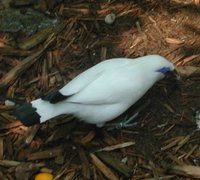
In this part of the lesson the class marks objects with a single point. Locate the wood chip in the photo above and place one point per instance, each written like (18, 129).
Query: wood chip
(35, 39)
(186, 170)
(174, 41)
(191, 151)
(70, 175)
(103, 168)
(14, 73)
(187, 71)
(167, 106)
(62, 131)
(173, 142)
(186, 60)
(1, 148)
(46, 170)
(31, 133)
(115, 163)
(50, 153)
(117, 146)
(88, 138)
(9, 163)
(85, 163)
(103, 53)
(60, 160)
(182, 142)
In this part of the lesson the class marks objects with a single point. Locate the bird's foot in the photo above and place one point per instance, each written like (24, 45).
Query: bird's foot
(197, 118)
(127, 122)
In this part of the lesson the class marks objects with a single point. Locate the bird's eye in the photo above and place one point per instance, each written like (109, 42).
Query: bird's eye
(164, 70)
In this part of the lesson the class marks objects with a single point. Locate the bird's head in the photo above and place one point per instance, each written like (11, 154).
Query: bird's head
(162, 66)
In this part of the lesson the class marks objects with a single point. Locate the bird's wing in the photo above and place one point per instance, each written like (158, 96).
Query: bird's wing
(114, 86)
(83, 80)
(69, 90)
(90, 75)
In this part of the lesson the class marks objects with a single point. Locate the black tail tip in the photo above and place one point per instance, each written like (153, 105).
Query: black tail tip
(54, 97)
(27, 114)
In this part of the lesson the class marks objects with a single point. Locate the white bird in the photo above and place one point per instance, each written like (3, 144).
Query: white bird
(101, 93)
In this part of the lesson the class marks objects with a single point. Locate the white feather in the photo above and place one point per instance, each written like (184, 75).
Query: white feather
(106, 90)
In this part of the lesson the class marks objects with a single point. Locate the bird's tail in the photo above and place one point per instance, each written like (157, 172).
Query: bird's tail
(27, 114)
(39, 111)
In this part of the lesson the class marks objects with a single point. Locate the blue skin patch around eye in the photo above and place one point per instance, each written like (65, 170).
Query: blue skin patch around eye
(164, 70)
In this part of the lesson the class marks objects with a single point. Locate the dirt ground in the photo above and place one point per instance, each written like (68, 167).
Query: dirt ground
(165, 143)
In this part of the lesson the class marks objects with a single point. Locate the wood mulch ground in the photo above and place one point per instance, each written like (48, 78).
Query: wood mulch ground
(165, 144)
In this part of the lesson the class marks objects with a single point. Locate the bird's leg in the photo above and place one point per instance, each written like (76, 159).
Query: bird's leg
(127, 122)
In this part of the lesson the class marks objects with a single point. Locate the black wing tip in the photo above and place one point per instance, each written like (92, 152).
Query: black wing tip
(54, 97)
(27, 114)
